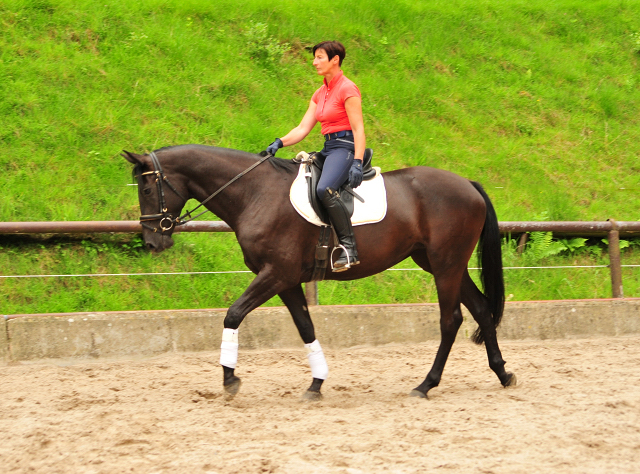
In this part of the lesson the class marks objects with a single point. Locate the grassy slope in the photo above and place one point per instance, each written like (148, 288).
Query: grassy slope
(537, 100)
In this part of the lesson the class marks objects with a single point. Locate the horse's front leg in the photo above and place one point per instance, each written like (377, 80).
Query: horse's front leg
(450, 321)
(296, 302)
(264, 286)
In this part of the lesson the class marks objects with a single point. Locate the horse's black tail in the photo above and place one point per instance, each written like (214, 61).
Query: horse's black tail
(490, 260)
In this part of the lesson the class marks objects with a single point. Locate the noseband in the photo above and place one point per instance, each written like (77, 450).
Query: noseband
(166, 220)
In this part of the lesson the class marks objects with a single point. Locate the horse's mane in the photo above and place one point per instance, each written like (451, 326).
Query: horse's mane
(287, 166)
(169, 147)
(280, 164)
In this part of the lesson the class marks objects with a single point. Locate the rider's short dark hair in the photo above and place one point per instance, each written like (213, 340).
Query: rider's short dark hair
(332, 48)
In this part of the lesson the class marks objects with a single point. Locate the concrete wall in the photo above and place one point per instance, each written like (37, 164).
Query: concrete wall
(4, 344)
(570, 319)
(127, 334)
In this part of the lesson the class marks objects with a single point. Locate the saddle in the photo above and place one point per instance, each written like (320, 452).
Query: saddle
(328, 239)
(314, 164)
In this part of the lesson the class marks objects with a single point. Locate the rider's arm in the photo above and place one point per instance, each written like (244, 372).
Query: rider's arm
(306, 125)
(353, 106)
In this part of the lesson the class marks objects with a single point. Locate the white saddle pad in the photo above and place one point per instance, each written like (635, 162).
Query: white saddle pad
(372, 210)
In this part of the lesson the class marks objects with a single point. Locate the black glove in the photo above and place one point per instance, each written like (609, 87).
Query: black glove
(274, 147)
(355, 174)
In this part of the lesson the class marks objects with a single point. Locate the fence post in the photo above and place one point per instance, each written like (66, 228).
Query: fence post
(311, 292)
(614, 261)
(522, 241)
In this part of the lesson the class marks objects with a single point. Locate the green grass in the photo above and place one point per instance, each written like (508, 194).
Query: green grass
(193, 253)
(535, 99)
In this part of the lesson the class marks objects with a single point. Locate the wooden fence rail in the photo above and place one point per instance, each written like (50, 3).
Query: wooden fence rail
(610, 229)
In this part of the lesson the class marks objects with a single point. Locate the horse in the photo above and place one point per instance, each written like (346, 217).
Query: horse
(433, 216)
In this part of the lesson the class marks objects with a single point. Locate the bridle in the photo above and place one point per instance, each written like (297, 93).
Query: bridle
(166, 220)
(163, 216)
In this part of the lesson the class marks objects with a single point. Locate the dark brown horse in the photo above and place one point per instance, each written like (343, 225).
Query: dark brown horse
(434, 216)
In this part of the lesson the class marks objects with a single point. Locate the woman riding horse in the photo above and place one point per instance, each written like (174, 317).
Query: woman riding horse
(337, 106)
(433, 216)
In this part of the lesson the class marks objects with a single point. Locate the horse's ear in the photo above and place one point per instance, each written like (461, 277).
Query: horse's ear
(132, 158)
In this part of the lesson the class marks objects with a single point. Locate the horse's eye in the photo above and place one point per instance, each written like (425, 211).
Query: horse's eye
(147, 191)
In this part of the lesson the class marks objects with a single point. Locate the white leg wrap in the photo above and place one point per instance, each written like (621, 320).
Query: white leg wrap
(229, 348)
(319, 367)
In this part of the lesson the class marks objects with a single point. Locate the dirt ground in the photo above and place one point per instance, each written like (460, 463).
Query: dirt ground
(576, 409)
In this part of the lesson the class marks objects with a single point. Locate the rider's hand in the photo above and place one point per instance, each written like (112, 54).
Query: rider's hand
(355, 174)
(274, 147)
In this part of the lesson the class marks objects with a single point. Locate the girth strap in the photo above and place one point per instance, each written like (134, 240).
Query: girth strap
(326, 242)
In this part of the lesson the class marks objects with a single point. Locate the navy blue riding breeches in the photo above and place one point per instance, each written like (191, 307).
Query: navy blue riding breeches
(339, 154)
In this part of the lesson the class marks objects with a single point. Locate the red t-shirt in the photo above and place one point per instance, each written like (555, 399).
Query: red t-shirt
(330, 98)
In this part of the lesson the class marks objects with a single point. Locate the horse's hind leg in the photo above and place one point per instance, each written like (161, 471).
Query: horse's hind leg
(448, 287)
(296, 302)
(478, 306)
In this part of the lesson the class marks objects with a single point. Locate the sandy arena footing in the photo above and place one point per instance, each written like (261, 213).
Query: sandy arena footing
(576, 409)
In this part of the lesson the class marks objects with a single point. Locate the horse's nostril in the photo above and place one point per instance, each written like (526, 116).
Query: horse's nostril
(150, 246)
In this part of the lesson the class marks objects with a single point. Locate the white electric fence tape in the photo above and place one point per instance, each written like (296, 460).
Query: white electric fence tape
(248, 271)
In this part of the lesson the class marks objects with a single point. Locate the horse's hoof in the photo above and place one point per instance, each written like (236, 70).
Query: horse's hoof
(417, 394)
(232, 388)
(310, 396)
(512, 381)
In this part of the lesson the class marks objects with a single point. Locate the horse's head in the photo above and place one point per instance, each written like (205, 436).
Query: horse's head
(160, 200)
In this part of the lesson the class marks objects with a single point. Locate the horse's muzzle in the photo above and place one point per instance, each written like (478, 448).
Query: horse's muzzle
(158, 244)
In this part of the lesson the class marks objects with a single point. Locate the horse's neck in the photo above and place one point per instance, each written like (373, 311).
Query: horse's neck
(210, 175)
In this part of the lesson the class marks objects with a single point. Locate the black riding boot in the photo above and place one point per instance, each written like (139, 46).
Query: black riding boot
(342, 225)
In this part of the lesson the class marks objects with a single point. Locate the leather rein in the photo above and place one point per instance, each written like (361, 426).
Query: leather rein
(166, 220)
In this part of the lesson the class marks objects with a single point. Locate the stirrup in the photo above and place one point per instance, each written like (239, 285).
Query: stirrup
(344, 267)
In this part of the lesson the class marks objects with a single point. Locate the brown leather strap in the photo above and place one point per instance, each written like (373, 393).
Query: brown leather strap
(323, 253)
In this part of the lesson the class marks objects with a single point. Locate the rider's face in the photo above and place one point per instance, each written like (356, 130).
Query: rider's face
(322, 63)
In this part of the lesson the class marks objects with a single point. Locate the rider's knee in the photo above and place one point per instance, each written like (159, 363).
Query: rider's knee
(322, 189)
(325, 192)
